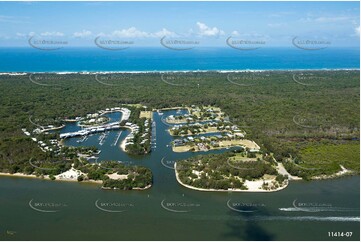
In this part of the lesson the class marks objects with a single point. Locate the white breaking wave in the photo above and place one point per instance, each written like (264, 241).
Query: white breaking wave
(305, 218)
(13, 73)
(317, 209)
(259, 218)
(85, 72)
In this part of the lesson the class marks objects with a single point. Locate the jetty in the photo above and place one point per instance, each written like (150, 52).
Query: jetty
(91, 130)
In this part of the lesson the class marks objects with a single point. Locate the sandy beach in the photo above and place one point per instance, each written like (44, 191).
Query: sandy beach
(68, 176)
(122, 144)
(21, 175)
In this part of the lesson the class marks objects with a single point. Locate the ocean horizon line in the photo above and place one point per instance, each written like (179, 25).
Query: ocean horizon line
(162, 47)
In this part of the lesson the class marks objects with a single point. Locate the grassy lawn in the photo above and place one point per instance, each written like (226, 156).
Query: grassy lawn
(241, 157)
(145, 114)
(184, 148)
(238, 142)
(207, 130)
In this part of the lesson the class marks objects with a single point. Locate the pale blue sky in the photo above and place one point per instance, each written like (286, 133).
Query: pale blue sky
(210, 22)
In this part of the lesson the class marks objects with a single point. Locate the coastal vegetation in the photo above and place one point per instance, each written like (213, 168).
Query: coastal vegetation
(283, 113)
(226, 171)
(125, 177)
(324, 159)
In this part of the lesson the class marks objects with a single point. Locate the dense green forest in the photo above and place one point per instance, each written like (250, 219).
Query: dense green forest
(282, 111)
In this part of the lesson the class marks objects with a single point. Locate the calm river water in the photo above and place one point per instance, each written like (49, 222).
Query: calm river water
(169, 211)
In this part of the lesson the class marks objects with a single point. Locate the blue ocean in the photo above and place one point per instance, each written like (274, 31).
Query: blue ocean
(162, 59)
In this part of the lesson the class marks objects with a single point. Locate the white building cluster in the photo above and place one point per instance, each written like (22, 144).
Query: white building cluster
(100, 128)
(129, 140)
(52, 146)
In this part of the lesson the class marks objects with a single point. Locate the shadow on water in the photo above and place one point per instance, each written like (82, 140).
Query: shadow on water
(244, 225)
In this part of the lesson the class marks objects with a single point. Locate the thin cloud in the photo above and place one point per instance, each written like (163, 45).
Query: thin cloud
(276, 25)
(327, 19)
(133, 32)
(21, 35)
(250, 36)
(57, 34)
(332, 19)
(44, 34)
(12, 19)
(82, 34)
(281, 14)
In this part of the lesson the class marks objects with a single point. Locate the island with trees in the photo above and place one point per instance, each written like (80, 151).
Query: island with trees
(232, 171)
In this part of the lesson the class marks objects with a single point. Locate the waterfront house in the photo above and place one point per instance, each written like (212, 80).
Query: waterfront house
(178, 142)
